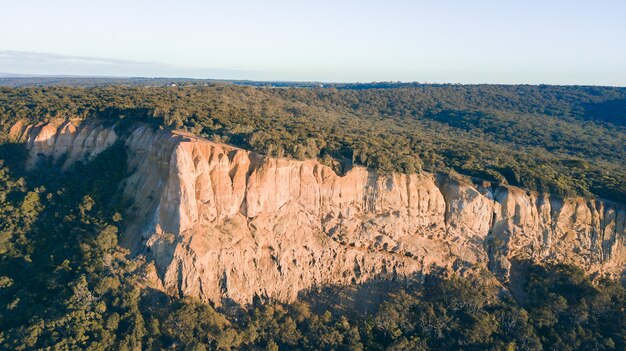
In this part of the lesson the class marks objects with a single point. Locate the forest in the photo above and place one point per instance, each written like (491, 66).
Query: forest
(65, 284)
(558, 139)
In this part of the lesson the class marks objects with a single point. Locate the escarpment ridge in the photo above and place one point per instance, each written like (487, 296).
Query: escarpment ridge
(225, 223)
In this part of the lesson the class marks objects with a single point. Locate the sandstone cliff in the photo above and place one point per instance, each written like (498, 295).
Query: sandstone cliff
(220, 222)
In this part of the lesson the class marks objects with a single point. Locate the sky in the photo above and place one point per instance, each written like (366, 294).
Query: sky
(430, 41)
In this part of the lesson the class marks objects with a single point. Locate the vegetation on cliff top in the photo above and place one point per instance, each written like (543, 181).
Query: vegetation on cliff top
(563, 140)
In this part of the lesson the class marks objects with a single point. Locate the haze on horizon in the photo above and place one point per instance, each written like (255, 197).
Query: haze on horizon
(484, 41)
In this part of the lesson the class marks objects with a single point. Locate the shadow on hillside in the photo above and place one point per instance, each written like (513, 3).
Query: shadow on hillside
(351, 300)
(611, 111)
(13, 155)
(357, 300)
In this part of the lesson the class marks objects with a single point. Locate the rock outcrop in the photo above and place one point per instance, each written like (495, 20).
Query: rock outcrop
(62, 141)
(225, 223)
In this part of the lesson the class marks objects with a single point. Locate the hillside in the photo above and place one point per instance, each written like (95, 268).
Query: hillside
(351, 218)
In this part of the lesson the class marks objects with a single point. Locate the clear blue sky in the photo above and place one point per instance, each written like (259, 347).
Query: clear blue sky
(471, 41)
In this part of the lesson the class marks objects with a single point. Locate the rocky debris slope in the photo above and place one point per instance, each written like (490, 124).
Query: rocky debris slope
(225, 223)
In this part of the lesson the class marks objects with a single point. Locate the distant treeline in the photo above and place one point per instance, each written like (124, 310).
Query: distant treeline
(557, 139)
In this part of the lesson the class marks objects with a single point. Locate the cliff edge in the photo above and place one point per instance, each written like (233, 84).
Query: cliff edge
(225, 223)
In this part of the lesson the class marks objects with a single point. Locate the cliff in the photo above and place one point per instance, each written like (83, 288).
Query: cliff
(225, 223)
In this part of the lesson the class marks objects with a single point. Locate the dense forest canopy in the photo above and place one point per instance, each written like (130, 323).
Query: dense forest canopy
(564, 140)
(66, 284)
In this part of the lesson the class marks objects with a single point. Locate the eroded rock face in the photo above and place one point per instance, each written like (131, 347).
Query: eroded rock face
(62, 141)
(220, 222)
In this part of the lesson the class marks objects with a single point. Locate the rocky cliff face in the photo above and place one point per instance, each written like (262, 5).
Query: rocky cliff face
(224, 223)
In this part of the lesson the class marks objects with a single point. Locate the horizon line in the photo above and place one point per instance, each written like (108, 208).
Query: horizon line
(14, 75)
